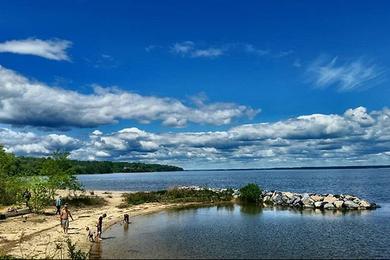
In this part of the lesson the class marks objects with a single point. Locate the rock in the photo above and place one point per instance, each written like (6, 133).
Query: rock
(308, 202)
(338, 204)
(289, 195)
(350, 204)
(317, 197)
(267, 199)
(365, 204)
(329, 206)
(330, 199)
(318, 204)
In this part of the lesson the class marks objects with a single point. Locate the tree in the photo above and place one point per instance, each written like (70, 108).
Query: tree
(59, 171)
(250, 193)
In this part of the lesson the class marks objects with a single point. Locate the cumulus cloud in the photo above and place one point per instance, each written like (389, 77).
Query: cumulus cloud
(354, 137)
(25, 102)
(54, 49)
(29, 143)
(345, 76)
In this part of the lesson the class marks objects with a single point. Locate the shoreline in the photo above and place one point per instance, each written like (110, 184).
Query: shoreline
(40, 235)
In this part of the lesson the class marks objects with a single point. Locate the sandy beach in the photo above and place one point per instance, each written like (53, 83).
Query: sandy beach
(41, 236)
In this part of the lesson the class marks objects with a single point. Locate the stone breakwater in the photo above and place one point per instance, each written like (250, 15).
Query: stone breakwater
(316, 201)
(303, 200)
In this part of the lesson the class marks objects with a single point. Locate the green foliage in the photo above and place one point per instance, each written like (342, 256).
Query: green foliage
(250, 193)
(74, 253)
(57, 172)
(83, 200)
(40, 194)
(35, 166)
(178, 195)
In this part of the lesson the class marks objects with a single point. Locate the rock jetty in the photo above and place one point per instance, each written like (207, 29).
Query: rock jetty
(315, 201)
(303, 200)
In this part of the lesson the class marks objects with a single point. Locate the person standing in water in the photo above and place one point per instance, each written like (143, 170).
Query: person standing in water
(64, 216)
(99, 226)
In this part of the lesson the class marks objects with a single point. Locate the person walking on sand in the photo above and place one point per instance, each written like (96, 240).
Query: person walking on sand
(58, 205)
(64, 216)
(99, 226)
(27, 197)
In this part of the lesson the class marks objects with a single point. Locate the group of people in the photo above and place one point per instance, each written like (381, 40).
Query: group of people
(65, 215)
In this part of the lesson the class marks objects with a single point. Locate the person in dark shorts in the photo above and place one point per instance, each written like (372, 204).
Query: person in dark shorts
(99, 226)
(58, 205)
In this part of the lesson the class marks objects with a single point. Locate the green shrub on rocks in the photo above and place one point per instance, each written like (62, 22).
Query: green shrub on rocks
(250, 193)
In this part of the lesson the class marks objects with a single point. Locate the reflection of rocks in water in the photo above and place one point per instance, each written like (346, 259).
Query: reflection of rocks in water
(251, 209)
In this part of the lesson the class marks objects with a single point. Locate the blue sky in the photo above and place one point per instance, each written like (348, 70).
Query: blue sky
(201, 84)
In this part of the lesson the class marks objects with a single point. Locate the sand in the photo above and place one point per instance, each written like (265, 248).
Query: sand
(41, 236)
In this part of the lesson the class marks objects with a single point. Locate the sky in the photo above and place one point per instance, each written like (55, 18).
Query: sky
(198, 84)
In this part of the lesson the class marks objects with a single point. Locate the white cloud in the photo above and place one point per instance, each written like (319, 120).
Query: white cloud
(348, 76)
(189, 49)
(54, 49)
(25, 102)
(355, 137)
(28, 143)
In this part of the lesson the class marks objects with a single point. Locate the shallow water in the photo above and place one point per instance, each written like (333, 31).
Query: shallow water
(251, 232)
(236, 231)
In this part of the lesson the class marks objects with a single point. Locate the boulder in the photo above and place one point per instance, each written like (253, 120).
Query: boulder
(318, 204)
(330, 199)
(338, 204)
(317, 197)
(267, 199)
(289, 195)
(329, 206)
(350, 204)
(308, 202)
(365, 204)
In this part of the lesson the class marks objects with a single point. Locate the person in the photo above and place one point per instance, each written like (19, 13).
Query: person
(27, 197)
(99, 226)
(58, 205)
(64, 216)
(91, 235)
(126, 218)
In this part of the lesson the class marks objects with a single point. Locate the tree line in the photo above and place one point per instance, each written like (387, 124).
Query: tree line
(43, 176)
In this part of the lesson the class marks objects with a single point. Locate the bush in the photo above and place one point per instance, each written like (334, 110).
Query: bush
(83, 200)
(143, 197)
(250, 193)
(178, 195)
(74, 253)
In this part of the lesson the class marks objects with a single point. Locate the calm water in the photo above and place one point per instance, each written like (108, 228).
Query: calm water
(250, 232)
(368, 183)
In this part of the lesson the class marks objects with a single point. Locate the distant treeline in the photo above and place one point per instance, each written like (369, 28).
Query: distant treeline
(33, 166)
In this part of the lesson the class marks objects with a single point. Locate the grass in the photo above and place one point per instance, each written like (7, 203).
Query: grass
(83, 200)
(178, 195)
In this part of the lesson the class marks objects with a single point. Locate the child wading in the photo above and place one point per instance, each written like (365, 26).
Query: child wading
(99, 226)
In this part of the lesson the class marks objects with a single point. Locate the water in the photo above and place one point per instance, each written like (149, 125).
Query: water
(366, 183)
(251, 232)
